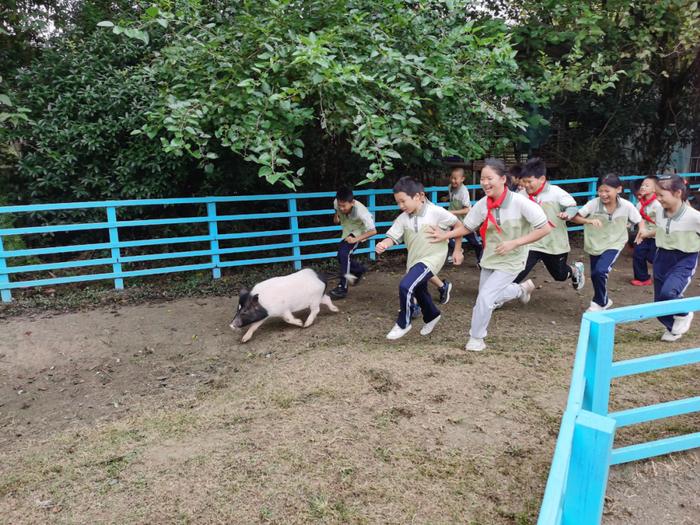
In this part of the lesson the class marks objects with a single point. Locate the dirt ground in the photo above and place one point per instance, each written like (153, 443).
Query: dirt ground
(156, 413)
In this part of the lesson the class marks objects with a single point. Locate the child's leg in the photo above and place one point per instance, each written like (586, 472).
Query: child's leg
(532, 259)
(417, 274)
(344, 251)
(437, 281)
(426, 303)
(600, 268)
(474, 241)
(557, 266)
(640, 256)
(672, 275)
(494, 287)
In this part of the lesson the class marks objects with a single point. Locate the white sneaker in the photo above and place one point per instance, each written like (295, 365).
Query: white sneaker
(670, 337)
(578, 278)
(496, 306)
(681, 323)
(527, 287)
(428, 327)
(595, 307)
(397, 332)
(475, 345)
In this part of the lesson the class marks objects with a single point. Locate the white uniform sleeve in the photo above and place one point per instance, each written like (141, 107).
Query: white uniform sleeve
(466, 200)
(395, 233)
(566, 200)
(588, 208)
(366, 218)
(476, 216)
(445, 219)
(335, 204)
(633, 213)
(533, 213)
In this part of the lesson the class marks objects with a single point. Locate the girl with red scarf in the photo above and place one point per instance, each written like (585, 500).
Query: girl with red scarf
(507, 222)
(645, 249)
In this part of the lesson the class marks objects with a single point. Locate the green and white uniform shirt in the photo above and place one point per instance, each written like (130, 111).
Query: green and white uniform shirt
(517, 216)
(654, 210)
(412, 229)
(679, 232)
(554, 201)
(612, 235)
(459, 198)
(357, 222)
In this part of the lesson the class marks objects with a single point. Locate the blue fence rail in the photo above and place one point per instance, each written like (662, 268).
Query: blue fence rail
(214, 251)
(575, 491)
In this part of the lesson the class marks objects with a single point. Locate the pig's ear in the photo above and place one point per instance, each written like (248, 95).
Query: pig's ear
(243, 294)
(254, 299)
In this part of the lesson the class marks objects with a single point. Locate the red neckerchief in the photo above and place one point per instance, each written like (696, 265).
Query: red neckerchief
(643, 204)
(532, 198)
(491, 205)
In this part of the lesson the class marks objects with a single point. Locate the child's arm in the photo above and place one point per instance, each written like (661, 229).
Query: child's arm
(578, 219)
(534, 235)
(336, 219)
(461, 213)
(353, 240)
(384, 245)
(457, 252)
(458, 231)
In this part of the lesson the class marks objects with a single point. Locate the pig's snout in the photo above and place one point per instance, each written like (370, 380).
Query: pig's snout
(236, 323)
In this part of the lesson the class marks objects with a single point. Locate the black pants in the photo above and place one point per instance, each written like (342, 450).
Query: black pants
(347, 264)
(556, 265)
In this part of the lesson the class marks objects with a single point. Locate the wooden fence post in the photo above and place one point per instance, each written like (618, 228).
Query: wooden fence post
(214, 243)
(294, 226)
(114, 239)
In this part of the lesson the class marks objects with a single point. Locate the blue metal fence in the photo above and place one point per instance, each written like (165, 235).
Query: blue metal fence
(584, 452)
(214, 252)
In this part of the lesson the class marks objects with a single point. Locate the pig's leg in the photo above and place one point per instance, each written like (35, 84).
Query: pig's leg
(327, 301)
(289, 318)
(312, 315)
(252, 329)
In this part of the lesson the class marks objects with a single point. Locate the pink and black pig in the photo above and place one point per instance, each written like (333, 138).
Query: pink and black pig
(281, 297)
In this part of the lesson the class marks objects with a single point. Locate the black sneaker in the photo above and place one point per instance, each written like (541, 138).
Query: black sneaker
(445, 292)
(359, 276)
(339, 292)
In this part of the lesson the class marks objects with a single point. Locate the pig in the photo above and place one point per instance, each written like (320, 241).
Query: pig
(281, 297)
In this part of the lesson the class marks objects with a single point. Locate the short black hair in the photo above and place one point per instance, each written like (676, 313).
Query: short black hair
(637, 184)
(611, 179)
(344, 194)
(409, 186)
(535, 167)
(673, 183)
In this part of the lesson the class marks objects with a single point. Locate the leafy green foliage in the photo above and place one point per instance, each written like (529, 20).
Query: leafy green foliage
(397, 80)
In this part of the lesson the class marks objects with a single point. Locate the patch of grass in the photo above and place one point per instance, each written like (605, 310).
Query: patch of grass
(381, 380)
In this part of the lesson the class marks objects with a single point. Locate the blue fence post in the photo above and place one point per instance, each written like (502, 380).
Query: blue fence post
(588, 468)
(4, 277)
(294, 226)
(434, 196)
(598, 370)
(592, 188)
(371, 205)
(114, 239)
(214, 243)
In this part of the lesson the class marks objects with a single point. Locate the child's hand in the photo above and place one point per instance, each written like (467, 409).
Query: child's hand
(380, 247)
(563, 216)
(436, 234)
(595, 223)
(505, 247)
(351, 239)
(457, 257)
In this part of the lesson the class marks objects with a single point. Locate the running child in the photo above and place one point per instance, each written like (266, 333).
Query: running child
(605, 221)
(645, 249)
(553, 249)
(678, 243)
(425, 258)
(508, 222)
(358, 225)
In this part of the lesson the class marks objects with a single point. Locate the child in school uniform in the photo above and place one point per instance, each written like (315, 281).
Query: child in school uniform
(358, 226)
(645, 249)
(678, 243)
(425, 258)
(605, 221)
(553, 249)
(508, 222)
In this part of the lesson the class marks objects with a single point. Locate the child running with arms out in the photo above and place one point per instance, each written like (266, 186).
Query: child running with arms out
(678, 243)
(425, 258)
(645, 248)
(553, 249)
(605, 221)
(358, 225)
(507, 222)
